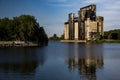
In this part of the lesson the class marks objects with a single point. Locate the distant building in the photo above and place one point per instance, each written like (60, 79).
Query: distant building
(87, 26)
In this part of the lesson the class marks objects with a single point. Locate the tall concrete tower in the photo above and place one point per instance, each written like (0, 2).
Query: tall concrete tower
(87, 26)
(71, 26)
(86, 14)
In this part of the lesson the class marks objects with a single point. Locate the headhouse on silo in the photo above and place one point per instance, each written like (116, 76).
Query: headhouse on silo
(87, 26)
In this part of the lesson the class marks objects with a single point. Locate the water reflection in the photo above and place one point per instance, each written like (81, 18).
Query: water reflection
(87, 58)
(22, 60)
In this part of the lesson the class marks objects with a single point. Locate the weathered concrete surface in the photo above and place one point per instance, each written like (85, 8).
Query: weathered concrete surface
(76, 41)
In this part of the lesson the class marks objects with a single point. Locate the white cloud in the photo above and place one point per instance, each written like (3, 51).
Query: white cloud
(110, 10)
(94, 1)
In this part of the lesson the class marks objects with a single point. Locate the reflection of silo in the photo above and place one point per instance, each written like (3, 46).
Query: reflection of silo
(91, 60)
(70, 57)
(88, 57)
(94, 55)
(76, 50)
(99, 56)
(71, 26)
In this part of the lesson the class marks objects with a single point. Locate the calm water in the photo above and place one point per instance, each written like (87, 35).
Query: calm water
(61, 61)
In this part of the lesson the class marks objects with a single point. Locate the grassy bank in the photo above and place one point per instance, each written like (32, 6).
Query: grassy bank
(107, 41)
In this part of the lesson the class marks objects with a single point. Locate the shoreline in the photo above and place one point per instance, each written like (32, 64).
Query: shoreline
(107, 41)
(17, 44)
(95, 41)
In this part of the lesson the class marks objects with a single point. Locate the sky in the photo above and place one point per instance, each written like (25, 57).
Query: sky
(51, 14)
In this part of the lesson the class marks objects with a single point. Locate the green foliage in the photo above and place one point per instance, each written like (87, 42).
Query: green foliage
(62, 37)
(22, 28)
(97, 36)
(54, 37)
(107, 41)
(112, 34)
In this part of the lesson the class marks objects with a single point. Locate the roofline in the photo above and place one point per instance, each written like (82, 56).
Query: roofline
(88, 6)
(100, 16)
(66, 23)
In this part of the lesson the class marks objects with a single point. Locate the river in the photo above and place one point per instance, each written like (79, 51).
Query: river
(61, 61)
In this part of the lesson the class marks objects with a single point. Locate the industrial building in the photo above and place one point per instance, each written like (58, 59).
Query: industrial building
(87, 26)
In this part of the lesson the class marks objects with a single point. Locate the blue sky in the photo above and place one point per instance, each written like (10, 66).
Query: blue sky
(51, 14)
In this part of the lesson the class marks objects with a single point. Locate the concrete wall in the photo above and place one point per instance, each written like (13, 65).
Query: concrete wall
(90, 29)
(100, 24)
(66, 31)
(76, 30)
(85, 26)
(87, 29)
(71, 26)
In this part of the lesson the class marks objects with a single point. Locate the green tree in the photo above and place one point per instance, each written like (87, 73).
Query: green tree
(54, 37)
(62, 37)
(23, 28)
(112, 34)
